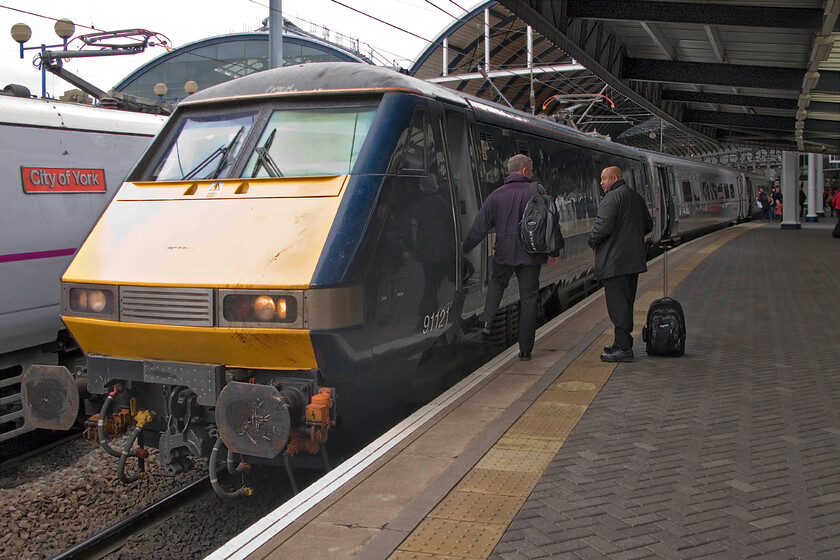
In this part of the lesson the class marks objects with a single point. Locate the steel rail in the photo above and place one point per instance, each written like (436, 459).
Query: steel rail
(108, 540)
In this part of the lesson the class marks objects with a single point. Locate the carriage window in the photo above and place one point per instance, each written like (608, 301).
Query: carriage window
(416, 145)
(205, 147)
(687, 194)
(305, 142)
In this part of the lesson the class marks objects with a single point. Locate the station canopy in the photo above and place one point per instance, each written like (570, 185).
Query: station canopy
(743, 78)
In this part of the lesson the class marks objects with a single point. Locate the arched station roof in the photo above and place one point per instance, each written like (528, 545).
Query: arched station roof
(218, 59)
(680, 76)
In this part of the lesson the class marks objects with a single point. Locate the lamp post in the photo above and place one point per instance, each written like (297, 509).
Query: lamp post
(21, 33)
(160, 90)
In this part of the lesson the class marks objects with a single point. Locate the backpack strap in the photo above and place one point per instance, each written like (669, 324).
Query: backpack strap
(535, 189)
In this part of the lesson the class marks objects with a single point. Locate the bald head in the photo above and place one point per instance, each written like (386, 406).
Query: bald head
(609, 176)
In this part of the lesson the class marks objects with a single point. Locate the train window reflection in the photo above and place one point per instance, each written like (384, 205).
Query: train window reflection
(303, 142)
(205, 147)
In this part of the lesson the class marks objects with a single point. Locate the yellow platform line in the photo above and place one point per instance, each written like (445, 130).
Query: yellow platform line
(474, 515)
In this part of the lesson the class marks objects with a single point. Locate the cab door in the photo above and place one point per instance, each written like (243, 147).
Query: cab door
(472, 268)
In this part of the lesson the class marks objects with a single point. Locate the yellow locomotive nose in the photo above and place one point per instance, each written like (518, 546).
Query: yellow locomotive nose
(145, 285)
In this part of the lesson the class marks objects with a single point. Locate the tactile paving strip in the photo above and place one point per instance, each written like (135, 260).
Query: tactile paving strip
(462, 505)
(469, 522)
(443, 537)
(500, 483)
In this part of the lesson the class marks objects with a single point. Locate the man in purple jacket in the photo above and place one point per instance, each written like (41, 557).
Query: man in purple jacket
(503, 210)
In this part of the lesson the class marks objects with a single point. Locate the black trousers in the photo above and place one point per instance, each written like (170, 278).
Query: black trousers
(620, 292)
(528, 277)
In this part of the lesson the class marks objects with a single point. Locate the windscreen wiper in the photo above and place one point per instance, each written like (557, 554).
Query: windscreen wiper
(215, 153)
(226, 152)
(195, 170)
(264, 158)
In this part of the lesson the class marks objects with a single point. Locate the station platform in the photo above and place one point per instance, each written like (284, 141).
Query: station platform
(730, 451)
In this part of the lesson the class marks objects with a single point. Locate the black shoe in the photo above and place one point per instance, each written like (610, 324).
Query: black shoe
(610, 349)
(524, 357)
(618, 355)
(483, 328)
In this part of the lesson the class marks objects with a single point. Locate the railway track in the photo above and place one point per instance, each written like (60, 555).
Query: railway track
(12, 462)
(113, 537)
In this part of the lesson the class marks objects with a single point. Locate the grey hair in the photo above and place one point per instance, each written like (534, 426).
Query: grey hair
(518, 162)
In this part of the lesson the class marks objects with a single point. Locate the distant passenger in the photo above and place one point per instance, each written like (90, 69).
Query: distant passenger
(803, 198)
(764, 200)
(836, 204)
(503, 210)
(618, 238)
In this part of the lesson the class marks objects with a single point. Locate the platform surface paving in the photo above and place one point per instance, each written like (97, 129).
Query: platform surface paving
(731, 451)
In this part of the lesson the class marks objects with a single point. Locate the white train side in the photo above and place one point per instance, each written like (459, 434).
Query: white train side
(60, 165)
(698, 196)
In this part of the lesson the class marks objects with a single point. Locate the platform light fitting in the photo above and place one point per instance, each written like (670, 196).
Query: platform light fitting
(64, 28)
(804, 101)
(810, 80)
(21, 33)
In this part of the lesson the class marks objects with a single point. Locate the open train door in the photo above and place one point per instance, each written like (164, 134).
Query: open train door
(667, 210)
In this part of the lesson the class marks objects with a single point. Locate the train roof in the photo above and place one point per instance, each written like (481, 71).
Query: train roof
(320, 77)
(659, 157)
(349, 77)
(50, 113)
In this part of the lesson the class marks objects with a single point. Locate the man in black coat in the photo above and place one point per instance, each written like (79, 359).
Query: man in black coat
(503, 210)
(618, 238)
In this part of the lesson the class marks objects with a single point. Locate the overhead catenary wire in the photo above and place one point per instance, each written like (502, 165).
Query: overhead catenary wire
(47, 17)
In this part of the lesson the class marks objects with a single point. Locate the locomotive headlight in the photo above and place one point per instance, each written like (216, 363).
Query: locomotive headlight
(89, 301)
(264, 308)
(259, 308)
(96, 301)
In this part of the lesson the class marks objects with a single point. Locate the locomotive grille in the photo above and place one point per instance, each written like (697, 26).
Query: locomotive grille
(169, 306)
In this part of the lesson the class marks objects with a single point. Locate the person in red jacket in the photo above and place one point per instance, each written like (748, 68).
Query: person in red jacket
(836, 204)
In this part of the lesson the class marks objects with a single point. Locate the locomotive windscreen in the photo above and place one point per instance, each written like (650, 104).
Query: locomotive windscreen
(301, 142)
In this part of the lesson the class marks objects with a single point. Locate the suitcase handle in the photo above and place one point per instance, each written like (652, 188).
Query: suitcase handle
(665, 245)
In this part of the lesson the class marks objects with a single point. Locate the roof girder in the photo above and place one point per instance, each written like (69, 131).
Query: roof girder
(700, 14)
(735, 75)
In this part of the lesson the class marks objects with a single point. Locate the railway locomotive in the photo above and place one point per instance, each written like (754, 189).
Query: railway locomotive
(60, 164)
(282, 269)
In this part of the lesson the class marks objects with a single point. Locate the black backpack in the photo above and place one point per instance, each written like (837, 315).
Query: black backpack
(539, 228)
(664, 331)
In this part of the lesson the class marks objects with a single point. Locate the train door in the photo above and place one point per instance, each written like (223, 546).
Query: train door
(742, 192)
(667, 213)
(472, 269)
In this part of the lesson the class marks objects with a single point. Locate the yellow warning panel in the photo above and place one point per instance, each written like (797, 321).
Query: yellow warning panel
(408, 555)
(500, 483)
(477, 507)
(529, 444)
(519, 461)
(547, 421)
(462, 539)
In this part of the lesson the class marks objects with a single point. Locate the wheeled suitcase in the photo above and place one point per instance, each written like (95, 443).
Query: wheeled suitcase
(664, 330)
